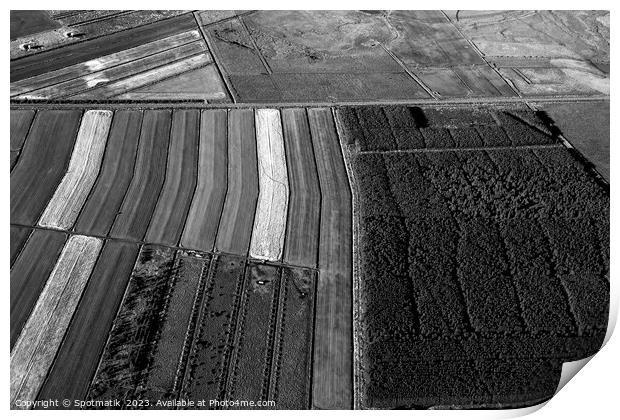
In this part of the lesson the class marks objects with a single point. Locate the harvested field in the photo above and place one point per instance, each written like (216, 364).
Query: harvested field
(79, 354)
(172, 306)
(154, 61)
(180, 177)
(88, 29)
(71, 193)
(30, 272)
(35, 348)
(491, 247)
(274, 56)
(306, 209)
(204, 213)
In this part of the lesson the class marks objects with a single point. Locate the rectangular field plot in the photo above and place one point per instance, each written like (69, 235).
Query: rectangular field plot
(484, 243)
(197, 326)
(126, 55)
(239, 181)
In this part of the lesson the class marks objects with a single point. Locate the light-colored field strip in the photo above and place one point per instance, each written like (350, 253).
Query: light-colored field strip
(84, 86)
(82, 69)
(147, 77)
(270, 220)
(65, 205)
(40, 338)
(204, 83)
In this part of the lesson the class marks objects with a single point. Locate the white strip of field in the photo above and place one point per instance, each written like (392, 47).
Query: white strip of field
(36, 347)
(64, 207)
(271, 210)
(148, 76)
(101, 63)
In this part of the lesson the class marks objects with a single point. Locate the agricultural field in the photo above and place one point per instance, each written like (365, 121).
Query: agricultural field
(120, 55)
(307, 56)
(225, 237)
(183, 254)
(306, 209)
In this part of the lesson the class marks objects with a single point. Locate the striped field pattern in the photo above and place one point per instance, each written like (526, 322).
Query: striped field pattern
(231, 254)
(171, 219)
(121, 55)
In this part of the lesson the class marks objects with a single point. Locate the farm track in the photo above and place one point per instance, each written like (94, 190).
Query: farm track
(194, 315)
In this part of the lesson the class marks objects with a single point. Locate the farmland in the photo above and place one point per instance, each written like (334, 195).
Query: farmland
(214, 321)
(306, 209)
(238, 313)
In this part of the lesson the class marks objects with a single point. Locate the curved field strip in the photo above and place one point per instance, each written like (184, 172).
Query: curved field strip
(148, 177)
(98, 213)
(206, 208)
(43, 163)
(29, 274)
(169, 216)
(271, 209)
(20, 124)
(78, 356)
(302, 230)
(65, 74)
(63, 208)
(235, 229)
(333, 347)
(36, 347)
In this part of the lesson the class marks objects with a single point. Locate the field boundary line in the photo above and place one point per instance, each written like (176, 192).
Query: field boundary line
(358, 402)
(216, 60)
(461, 149)
(193, 103)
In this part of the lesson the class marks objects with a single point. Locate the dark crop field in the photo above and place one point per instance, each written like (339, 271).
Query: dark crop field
(483, 256)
